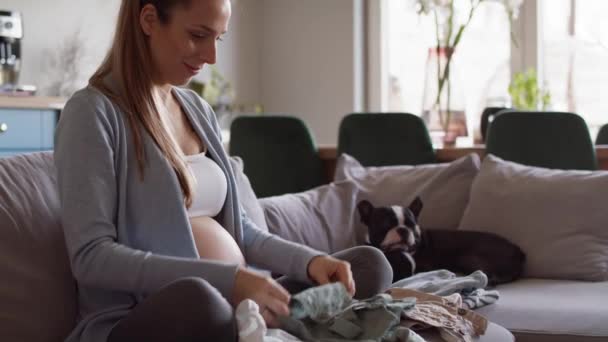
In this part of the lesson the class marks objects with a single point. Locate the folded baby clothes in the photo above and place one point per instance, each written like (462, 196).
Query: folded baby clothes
(444, 313)
(444, 282)
(328, 314)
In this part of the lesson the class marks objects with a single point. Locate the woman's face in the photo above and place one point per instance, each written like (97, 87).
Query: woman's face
(180, 47)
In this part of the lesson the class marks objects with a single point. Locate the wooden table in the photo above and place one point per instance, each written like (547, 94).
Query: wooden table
(328, 155)
(32, 102)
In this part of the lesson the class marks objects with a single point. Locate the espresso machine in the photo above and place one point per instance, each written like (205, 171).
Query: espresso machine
(11, 34)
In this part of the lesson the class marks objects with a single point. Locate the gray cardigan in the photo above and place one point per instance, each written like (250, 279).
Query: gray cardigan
(126, 238)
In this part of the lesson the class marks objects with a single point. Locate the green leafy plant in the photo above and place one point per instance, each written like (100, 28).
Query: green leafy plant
(526, 94)
(217, 91)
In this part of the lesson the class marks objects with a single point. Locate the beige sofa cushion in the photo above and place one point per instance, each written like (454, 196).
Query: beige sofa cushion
(322, 218)
(552, 310)
(37, 290)
(557, 217)
(326, 217)
(443, 188)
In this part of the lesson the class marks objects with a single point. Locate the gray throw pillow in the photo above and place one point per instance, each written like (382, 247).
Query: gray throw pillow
(247, 196)
(321, 218)
(557, 217)
(443, 188)
(326, 217)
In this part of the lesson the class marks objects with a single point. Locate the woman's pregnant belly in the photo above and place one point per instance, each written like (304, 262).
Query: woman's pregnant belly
(213, 241)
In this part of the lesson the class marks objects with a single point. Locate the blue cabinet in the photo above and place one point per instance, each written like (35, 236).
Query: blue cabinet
(26, 130)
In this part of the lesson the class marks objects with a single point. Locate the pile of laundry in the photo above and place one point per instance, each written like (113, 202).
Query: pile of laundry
(437, 300)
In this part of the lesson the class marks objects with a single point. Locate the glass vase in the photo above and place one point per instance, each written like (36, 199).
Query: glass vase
(443, 107)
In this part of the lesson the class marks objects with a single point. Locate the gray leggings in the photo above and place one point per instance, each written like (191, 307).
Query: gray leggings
(190, 309)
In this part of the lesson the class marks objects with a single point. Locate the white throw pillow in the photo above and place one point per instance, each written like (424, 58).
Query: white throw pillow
(558, 218)
(443, 188)
(322, 218)
(326, 217)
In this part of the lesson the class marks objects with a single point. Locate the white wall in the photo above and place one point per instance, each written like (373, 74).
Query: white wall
(308, 62)
(48, 23)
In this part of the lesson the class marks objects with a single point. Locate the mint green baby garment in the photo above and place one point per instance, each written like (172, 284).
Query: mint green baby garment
(328, 314)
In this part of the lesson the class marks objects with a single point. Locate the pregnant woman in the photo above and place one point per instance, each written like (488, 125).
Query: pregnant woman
(158, 242)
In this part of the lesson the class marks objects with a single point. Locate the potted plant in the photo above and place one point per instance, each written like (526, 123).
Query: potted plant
(526, 94)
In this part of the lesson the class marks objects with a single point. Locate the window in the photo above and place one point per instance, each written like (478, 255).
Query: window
(564, 40)
(574, 57)
(481, 63)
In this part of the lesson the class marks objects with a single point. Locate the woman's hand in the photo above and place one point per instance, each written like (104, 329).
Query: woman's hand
(271, 297)
(325, 269)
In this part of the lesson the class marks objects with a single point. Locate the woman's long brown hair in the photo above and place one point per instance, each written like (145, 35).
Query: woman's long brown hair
(129, 62)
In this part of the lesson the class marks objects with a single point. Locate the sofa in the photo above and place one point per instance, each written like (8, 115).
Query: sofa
(38, 291)
(557, 217)
(38, 297)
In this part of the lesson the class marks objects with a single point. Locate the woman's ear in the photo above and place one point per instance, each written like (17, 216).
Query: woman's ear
(148, 19)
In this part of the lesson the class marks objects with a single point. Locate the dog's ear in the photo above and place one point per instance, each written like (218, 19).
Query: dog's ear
(365, 210)
(416, 206)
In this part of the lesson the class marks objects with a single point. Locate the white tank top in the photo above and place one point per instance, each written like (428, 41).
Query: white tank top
(210, 186)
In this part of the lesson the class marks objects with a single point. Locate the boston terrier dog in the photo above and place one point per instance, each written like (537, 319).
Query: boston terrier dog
(410, 249)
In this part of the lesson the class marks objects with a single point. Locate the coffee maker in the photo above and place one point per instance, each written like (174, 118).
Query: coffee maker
(11, 33)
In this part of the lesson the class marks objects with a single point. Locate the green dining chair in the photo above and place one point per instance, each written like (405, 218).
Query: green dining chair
(602, 136)
(380, 139)
(556, 140)
(278, 152)
(487, 116)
